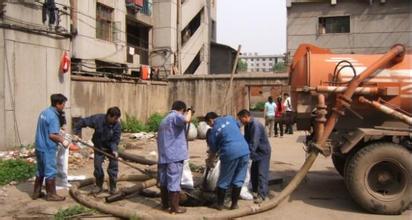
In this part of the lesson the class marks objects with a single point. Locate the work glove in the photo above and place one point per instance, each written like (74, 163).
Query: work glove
(66, 143)
(76, 138)
(115, 154)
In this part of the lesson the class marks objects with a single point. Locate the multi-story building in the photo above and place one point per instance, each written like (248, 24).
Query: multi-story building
(102, 37)
(349, 26)
(261, 63)
(171, 36)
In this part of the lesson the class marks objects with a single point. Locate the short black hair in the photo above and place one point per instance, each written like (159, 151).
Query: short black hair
(179, 106)
(286, 94)
(57, 99)
(210, 115)
(270, 99)
(243, 113)
(114, 112)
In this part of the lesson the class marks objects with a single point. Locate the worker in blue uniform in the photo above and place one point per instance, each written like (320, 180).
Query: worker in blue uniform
(226, 140)
(47, 138)
(260, 150)
(106, 137)
(172, 150)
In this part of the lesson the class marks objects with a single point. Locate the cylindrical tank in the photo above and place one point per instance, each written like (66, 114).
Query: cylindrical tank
(313, 67)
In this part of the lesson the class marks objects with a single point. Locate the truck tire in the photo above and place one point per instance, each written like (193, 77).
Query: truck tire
(339, 163)
(379, 178)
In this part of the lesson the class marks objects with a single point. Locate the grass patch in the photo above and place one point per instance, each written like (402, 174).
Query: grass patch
(15, 170)
(133, 125)
(73, 211)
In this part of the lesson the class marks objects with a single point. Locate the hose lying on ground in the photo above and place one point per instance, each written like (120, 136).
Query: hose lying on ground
(123, 212)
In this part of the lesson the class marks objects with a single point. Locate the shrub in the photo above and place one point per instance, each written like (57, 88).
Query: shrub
(131, 124)
(260, 106)
(154, 121)
(15, 170)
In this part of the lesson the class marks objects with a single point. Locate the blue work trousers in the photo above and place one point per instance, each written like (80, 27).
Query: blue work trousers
(112, 169)
(233, 172)
(46, 164)
(259, 176)
(170, 175)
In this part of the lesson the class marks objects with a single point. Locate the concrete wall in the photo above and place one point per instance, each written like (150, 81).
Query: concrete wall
(373, 28)
(93, 95)
(29, 73)
(207, 92)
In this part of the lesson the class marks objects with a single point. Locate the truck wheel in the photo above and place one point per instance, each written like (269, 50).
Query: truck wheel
(379, 178)
(339, 163)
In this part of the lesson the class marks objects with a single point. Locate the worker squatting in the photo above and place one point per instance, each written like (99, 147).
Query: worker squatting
(224, 140)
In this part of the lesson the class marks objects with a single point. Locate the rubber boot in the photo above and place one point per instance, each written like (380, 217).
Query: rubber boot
(174, 199)
(112, 187)
(51, 191)
(220, 194)
(99, 186)
(37, 193)
(235, 197)
(164, 197)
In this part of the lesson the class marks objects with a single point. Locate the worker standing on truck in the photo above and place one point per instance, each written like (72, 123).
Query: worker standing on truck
(226, 140)
(106, 137)
(260, 151)
(172, 150)
(269, 112)
(289, 113)
(47, 137)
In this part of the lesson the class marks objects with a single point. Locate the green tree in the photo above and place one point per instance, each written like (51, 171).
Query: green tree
(241, 66)
(280, 67)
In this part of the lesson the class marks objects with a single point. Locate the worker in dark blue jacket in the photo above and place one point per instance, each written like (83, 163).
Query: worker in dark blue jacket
(260, 150)
(226, 140)
(106, 137)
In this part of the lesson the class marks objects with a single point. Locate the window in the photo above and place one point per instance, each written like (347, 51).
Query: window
(264, 64)
(264, 59)
(104, 22)
(257, 64)
(252, 59)
(270, 64)
(340, 24)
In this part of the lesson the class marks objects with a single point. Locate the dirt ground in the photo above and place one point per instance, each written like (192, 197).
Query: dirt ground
(322, 195)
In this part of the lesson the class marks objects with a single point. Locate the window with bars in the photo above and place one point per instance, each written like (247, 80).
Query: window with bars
(104, 22)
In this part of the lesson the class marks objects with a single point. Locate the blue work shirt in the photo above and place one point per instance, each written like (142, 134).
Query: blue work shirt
(225, 138)
(255, 135)
(105, 135)
(171, 139)
(48, 123)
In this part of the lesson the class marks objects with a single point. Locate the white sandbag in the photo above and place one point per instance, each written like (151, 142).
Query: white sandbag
(245, 194)
(62, 165)
(202, 130)
(213, 176)
(192, 132)
(187, 177)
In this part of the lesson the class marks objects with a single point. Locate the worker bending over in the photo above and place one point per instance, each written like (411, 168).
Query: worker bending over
(106, 137)
(226, 140)
(172, 149)
(260, 151)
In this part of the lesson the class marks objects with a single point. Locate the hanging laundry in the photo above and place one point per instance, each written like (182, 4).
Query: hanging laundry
(49, 11)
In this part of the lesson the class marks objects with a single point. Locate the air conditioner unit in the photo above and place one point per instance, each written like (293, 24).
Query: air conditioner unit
(135, 65)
